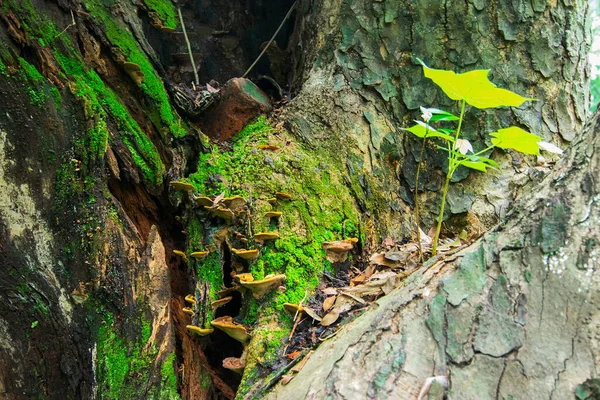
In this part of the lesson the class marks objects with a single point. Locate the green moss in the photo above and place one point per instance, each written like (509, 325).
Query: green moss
(165, 10)
(124, 365)
(152, 85)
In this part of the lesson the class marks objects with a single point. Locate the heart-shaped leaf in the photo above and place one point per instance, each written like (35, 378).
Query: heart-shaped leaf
(474, 87)
(517, 139)
(423, 130)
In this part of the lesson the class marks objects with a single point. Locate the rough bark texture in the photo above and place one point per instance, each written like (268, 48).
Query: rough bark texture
(361, 82)
(91, 292)
(512, 316)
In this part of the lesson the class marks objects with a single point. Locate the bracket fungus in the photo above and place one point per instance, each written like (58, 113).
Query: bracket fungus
(296, 309)
(234, 202)
(134, 71)
(245, 277)
(273, 214)
(237, 365)
(264, 236)
(283, 196)
(235, 330)
(260, 288)
(199, 255)
(182, 186)
(180, 254)
(190, 299)
(272, 200)
(337, 251)
(221, 212)
(250, 255)
(199, 331)
(188, 311)
(221, 302)
(202, 201)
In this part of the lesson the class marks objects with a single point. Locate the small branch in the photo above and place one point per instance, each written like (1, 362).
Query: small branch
(189, 47)
(68, 26)
(272, 38)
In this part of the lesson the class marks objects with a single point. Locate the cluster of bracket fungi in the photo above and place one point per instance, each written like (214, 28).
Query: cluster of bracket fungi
(201, 307)
(232, 210)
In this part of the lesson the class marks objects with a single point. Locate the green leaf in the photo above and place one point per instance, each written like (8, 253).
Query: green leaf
(477, 165)
(423, 130)
(490, 162)
(34, 324)
(474, 87)
(517, 139)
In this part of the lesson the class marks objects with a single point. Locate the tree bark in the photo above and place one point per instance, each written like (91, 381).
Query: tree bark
(92, 293)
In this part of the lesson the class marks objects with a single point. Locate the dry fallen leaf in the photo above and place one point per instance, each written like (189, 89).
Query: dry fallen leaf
(328, 303)
(358, 279)
(298, 367)
(285, 379)
(330, 318)
(329, 291)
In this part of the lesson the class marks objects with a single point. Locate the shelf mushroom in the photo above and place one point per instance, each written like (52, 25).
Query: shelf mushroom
(250, 255)
(265, 236)
(190, 299)
(235, 330)
(199, 331)
(261, 287)
(180, 254)
(337, 251)
(182, 186)
(199, 255)
(188, 311)
(221, 302)
(234, 364)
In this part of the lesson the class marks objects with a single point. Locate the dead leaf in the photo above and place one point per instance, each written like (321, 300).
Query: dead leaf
(268, 147)
(329, 291)
(328, 303)
(358, 279)
(353, 297)
(330, 318)
(298, 367)
(292, 355)
(217, 200)
(285, 379)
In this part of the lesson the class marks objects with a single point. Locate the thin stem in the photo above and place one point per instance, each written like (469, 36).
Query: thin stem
(270, 41)
(189, 48)
(452, 165)
(441, 216)
(417, 215)
(484, 150)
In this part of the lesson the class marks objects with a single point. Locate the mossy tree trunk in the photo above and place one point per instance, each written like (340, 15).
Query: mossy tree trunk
(92, 293)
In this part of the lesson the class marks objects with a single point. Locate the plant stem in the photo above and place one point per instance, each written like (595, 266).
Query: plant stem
(451, 168)
(417, 215)
(189, 48)
(441, 216)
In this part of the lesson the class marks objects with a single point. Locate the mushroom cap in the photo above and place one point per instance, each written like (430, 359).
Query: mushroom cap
(199, 255)
(292, 309)
(182, 186)
(167, 29)
(221, 302)
(221, 212)
(203, 201)
(190, 299)
(226, 291)
(251, 254)
(235, 364)
(188, 311)
(245, 277)
(272, 200)
(233, 329)
(260, 288)
(199, 331)
(264, 236)
(283, 196)
(338, 246)
(273, 214)
(234, 202)
(180, 254)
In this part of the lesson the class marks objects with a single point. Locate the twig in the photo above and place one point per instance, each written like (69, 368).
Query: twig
(296, 323)
(68, 26)
(417, 211)
(270, 41)
(189, 47)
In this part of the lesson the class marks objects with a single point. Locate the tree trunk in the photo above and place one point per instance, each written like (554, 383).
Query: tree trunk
(515, 315)
(90, 139)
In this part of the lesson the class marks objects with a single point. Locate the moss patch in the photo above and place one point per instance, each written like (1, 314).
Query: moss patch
(165, 10)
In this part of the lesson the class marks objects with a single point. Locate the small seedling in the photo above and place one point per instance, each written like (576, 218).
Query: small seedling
(475, 89)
